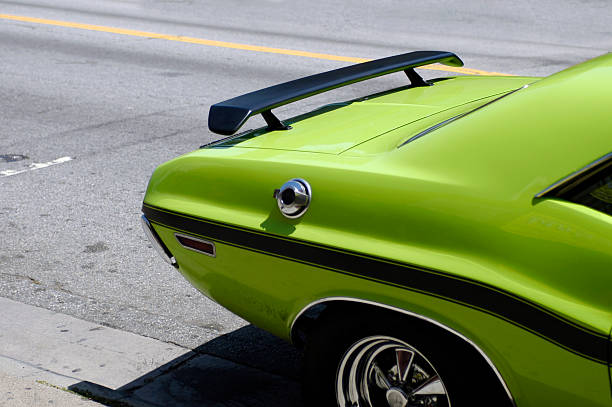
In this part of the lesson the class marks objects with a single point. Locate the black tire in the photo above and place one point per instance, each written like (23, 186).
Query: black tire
(466, 376)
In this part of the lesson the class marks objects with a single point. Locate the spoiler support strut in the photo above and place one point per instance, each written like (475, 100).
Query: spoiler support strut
(274, 122)
(415, 79)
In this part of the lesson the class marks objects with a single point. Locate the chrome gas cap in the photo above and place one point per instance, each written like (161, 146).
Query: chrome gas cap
(293, 198)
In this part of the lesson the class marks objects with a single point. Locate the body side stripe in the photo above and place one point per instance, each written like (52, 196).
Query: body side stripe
(518, 311)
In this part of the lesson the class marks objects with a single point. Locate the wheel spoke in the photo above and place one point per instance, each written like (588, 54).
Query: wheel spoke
(404, 359)
(431, 387)
(381, 378)
(385, 371)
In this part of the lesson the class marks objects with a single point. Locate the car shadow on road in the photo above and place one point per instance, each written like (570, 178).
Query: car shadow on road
(247, 367)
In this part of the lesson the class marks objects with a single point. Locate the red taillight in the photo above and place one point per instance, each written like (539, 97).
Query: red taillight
(198, 245)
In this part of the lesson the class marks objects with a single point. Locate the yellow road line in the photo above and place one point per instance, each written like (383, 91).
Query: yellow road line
(223, 44)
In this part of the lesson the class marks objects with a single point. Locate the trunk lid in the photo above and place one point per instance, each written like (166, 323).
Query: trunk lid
(339, 127)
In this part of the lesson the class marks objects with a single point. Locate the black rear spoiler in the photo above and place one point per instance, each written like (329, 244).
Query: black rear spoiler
(227, 117)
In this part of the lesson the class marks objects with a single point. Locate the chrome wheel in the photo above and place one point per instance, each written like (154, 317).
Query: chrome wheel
(385, 371)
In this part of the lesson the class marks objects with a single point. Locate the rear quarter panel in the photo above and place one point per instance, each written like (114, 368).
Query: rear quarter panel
(390, 210)
(457, 202)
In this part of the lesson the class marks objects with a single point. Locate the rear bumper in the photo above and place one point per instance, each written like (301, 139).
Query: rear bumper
(157, 243)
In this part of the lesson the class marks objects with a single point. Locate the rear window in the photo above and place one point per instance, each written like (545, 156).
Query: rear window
(596, 194)
(590, 186)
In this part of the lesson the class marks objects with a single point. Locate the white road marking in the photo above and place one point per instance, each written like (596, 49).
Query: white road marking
(35, 166)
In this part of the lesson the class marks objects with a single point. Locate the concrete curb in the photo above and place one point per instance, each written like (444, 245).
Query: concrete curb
(121, 369)
(40, 346)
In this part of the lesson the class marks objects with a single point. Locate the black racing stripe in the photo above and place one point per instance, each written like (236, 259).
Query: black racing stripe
(520, 312)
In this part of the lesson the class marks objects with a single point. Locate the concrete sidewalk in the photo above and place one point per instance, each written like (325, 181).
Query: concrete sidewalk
(43, 352)
(47, 357)
(22, 392)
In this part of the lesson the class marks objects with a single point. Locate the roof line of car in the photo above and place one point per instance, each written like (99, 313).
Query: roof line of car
(560, 187)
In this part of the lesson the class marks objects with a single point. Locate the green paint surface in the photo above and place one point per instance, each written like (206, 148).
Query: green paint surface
(459, 199)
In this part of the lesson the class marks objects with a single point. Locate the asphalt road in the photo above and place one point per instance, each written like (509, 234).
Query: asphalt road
(118, 104)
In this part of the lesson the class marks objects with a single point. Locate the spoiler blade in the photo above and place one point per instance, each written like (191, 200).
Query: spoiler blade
(227, 117)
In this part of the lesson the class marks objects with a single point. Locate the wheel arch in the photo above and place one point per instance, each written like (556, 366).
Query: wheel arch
(311, 312)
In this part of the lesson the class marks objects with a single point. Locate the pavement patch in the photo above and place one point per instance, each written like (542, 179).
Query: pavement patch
(96, 248)
(11, 158)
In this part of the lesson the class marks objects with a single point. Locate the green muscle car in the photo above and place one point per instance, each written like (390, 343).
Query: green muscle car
(446, 243)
